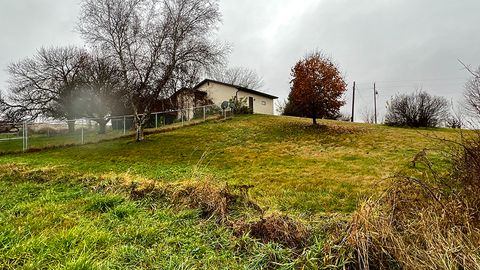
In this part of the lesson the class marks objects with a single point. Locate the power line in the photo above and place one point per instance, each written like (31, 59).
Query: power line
(419, 80)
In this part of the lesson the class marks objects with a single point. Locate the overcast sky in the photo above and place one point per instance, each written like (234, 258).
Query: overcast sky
(401, 45)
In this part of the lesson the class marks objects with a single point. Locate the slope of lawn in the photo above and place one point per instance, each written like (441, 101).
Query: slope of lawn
(62, 224)
(308, 173)
(293, 167)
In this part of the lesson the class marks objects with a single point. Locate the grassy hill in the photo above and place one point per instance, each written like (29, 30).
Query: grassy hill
(57, 220)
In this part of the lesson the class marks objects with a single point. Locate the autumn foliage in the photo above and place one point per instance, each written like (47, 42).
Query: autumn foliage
(317, 88)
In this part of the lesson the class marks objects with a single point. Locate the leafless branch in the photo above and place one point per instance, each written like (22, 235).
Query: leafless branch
(152, 43)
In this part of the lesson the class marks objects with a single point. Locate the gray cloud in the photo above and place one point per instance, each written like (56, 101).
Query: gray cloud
(402, 45)
(25, 26)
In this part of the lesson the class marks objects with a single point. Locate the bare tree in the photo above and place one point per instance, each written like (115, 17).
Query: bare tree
(418, 109)
(453, 121)
(101, 89)
(238, 76)
(368, 116)
(150, 41)
(46, 85)
(475, 74)
(472, 93)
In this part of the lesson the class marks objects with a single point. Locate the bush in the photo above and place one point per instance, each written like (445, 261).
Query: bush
(418, 109)
(240, 105)
(453, 122)
(343, 117)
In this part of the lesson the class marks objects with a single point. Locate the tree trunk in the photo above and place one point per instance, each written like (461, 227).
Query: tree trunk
(102, 123)
(141, 121)
(71, 126)
(102, 127)
(139, 134)
(139, 126)
(314, 115)
(314, 110)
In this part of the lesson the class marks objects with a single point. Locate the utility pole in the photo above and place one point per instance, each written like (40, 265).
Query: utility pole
(353, 104)
(375, 93)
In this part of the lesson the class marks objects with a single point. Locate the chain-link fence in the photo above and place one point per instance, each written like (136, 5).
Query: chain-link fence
(30, 136)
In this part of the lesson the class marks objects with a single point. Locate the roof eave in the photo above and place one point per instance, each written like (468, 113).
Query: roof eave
(237, 87)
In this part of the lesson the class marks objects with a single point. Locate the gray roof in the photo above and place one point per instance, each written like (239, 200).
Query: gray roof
(237, 87)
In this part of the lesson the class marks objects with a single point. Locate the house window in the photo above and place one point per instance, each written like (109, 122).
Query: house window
(264, 103)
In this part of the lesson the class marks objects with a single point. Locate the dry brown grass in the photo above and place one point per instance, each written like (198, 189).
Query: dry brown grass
(431, 238)
(212, 198)
(428, 223)
(275, 228)
(20, 172)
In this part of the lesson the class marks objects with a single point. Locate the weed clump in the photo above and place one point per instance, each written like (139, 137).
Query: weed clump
(279, 229)
(211, 199)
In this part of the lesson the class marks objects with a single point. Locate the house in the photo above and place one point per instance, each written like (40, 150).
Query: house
(186, 102)
(218, 92)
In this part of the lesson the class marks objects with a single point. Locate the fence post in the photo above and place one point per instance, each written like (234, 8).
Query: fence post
(156, 120)
(83, 139)
(26, 136)
(181, 113)
(124, 125)
(204, 113)
(23, 137)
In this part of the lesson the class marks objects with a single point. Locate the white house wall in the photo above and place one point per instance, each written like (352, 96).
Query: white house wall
(219, 93)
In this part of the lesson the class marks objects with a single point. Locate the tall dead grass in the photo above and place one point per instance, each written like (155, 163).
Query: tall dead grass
(427, 223)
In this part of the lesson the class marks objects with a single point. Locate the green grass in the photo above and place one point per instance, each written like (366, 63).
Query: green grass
(296, 169)
(293, 167)
(40, 138)
(41, 141)
(66, 226)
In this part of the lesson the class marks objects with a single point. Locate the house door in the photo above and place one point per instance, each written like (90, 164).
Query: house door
(250, 103)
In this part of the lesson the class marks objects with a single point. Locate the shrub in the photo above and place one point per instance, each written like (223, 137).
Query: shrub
(453, 122)
(345, 117)
(418, 109)
(240, 105)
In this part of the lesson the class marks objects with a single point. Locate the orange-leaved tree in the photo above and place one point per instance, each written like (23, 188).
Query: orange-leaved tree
(317, 88)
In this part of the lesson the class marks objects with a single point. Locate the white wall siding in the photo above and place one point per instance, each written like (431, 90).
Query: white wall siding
(220, 93)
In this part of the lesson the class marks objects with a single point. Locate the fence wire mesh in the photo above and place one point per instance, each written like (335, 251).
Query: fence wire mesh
(29, 136)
